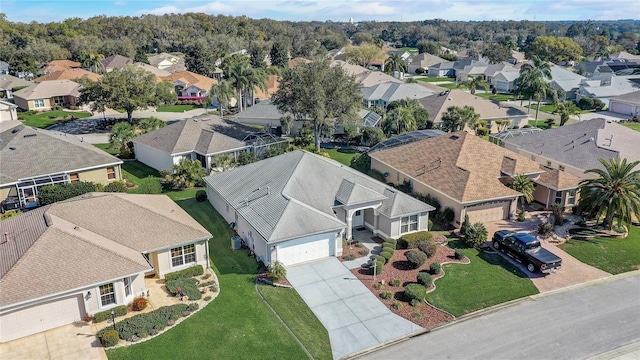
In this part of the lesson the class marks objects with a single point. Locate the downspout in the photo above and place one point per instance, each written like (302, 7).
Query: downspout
(207, 256)
(548, 197)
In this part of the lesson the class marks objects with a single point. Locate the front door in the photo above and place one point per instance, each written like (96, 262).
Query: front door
(357, 219)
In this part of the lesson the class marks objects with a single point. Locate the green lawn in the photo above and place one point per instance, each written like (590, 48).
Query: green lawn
(496, 97)
(611, 255)
(411, 50)
(487, 281)
(178, 108)
(106, 148)
(541, 124)
(550, 108)
(450, 85)
(342, 155)
(45, 119)
(237, 324)
(436, 79)
(634, 126)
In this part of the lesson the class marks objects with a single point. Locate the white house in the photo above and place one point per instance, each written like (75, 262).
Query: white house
(8, 111)
(627, 104)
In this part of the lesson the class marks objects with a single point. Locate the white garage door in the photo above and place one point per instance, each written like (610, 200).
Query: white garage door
(502, 85)
(488, 212)
(290, 254)
(40, 318)
(620, 108)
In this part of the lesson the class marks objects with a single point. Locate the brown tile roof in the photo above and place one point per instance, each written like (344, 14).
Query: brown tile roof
(69, 74)
(56, 65)
(438, 104)
(272, 87)
(87, 240)
(461, 165)
(190, 78)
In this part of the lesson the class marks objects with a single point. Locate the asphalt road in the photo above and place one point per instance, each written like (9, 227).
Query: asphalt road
(571, 324)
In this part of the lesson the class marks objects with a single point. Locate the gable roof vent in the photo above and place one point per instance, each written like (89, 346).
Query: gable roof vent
(29, 135)
(454, 137)
(12, 147)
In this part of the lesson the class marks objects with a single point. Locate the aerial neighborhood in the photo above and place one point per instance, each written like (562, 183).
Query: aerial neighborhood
(232, 187)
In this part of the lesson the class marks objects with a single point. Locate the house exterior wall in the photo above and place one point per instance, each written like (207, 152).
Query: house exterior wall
(100, 175)
(152, 157)
(551, 163)
(164, 265)
(8, 113)
(92, 304)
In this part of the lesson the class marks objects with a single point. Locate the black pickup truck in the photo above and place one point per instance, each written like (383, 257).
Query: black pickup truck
(527, 249)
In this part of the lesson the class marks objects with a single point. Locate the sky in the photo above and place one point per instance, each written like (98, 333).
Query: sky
(334, 10)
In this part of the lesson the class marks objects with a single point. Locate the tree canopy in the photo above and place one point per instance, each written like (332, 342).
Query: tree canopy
(455, 118)
(554, 49)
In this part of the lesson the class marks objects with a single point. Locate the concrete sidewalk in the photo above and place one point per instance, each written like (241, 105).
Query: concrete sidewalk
(355, 319)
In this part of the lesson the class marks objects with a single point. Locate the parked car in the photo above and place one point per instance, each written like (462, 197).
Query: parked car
(526, 249)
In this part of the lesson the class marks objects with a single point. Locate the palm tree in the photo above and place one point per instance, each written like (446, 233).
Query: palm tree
(395, 63)
(523, 185)
(455, 118)
(224, 91)
(474, 83)
(565, 109)
(615, 192)
(399, 120)
(533, 83)
(238, 75)
(121, 134)
(256, 78)
(223, 163)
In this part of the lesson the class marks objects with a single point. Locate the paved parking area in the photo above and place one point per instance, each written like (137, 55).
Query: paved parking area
(572, 271)
(355, 319)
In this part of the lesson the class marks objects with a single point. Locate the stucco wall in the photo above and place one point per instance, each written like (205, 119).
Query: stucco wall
(152, 157)
(8, 113)
(92, 304)
(99, 175)
(164, 265)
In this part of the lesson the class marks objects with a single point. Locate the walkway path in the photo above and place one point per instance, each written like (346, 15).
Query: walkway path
(355, 319)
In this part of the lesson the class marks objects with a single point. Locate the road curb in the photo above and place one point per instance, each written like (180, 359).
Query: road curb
(586, 284)
(619, 353)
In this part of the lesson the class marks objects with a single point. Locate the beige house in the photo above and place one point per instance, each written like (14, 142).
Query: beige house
(465, 173)
(89, 254)
(8, 111)
(58, 65)
(189, 85)
(168, 62)
(44, 95)
(69, 74)
(31, 158)
(423, 61)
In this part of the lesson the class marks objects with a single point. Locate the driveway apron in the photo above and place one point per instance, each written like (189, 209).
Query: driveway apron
(355, 319)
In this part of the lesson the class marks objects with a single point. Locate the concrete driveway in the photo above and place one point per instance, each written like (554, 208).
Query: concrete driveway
(69, 342)
(355, 319)
(572, 271)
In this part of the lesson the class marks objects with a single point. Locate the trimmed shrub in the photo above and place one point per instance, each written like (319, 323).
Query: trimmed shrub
(379, 266)
(116, 186)
(395, 282)
(50, 194)
(429, 225)
(142, 325)
(410, 241)
(109, 338)
(416, 315)
(186, 273)
(415, 292)
(207, 298)
(193, 307)
(201, 195)
(386, 295)
(380, 258)
(429, 248)
(544, 229)
(397, 305)
(449, 214)
(414, 303)
(364, 251)
(416, 258)
(139, 303)
(277, 271)
(391, 241)
(388, 249)
(378, 286)
(459, 255)
(435, 268)
(425, 279)
(390, 245)
(420, 71)
(105, 315)
(349, 257)
(586, 103)
(386, 256)
(185, 287)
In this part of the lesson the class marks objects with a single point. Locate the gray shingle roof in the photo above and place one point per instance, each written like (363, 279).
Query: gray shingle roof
(293, 195)
(45, 152)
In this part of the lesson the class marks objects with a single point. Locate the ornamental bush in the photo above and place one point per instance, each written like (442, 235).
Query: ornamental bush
(139, 303)
(349, 257)
(386, 295)
(142, 325)
(416, 258)
(428, 247)
(397, 305)
(386, 256)
(395, 282)
(415, 292)
(435, 268)
(105, 315)
(277, 271)
(459, 255)
(186, 273)
(185, 287)
(379, 266)
(364, 251)
(393, 242)
(410, 241)
(116, 186)
(388, 249)
(424, 279)
(109, 338)
(201, 195)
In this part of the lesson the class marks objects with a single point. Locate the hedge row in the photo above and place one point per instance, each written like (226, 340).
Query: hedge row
(105, 315)
(410, 241)
(185, 273)
(188, 287)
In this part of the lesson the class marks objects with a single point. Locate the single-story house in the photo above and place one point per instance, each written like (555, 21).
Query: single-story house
(189, 85)
(464, 172)
(89, 254)
(298, 206)
(58, 65)
(489, 110)
(8, 111)
(577, 147)
(604, 86)
(385, 93)
(505, 81)
(566, 81)
(627, 104)
(168, 62)
(160, 74)
(44, 95)
(69, 74)
(424, 61)
(442, 69)
(193, 139)
(10, 83)
(32, 158)
(115, 61)
(517, 57)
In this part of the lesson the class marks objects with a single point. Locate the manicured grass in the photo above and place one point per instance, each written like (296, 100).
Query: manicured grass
(342, 155)
(487, 281)
(300, 319)
(411, 50)
(634, 126)
(134, 171)
(541, 124)
(612, 255)
(45, 119)
(107, 148)
(450, 85)
(436, 79)
(496, 97)
(177, 108)
(237, 324)
(550, 108)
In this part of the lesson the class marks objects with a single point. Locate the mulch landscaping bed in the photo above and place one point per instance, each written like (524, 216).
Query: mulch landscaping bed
(398, 268)
(355, 250)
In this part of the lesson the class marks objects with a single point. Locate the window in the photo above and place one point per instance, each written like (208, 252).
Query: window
(409, 223)
(560, 167)
(549, 163)
(358, 213)
(38, 103)
(183, 255)
(127, 286)
(74, 178)
(111, 173)
(558, 198)
(107, 295)
(571, 197)
(202, 159)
